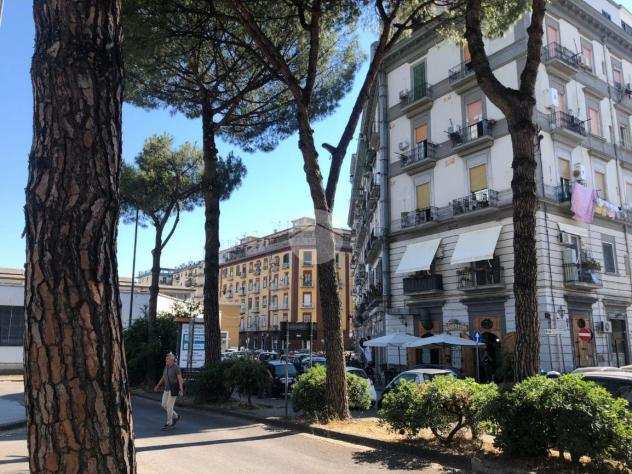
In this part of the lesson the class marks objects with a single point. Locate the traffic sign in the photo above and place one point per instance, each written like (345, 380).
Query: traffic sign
(477, 336)
(585, 334)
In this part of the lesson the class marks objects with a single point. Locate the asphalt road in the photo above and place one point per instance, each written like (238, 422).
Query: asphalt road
(206, 442)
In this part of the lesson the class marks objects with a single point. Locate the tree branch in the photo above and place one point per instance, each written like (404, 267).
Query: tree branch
(534, 48)
(175, 223)
(499, 94)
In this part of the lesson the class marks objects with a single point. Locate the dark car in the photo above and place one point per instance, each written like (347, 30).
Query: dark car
(277, 370)
(619, 384)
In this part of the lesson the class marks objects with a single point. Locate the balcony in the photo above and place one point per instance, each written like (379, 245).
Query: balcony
(373, 195)
(418, 217)
(481, 275)
(562, 192)
(472, 137)
(475, 201)
(372, 248)
(461, 77)
(419, 99)
(420, 157)
(567, 128)
(560, 61)
(582, 275)
(623, 97)
(307, 305)
(423, 284)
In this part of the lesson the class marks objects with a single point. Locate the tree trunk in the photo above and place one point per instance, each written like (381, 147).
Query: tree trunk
(79, 416)
(212, 339)
(154, 287)
(523, 137)
(336, 386)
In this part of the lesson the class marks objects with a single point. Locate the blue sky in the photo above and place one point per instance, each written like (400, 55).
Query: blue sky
(273, 193)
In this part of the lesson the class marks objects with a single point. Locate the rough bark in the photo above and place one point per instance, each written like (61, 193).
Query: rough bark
(523, 186)
(154, 286)
(79, 415)
(517, 106)
(212, 339)
(336, 385)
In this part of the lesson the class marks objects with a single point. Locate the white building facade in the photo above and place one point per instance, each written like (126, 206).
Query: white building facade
(431, 201)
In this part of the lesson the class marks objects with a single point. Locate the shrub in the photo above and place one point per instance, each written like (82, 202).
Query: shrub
(144, 358)
(569, 414)
(308, 393)
(248, 377)
(213, 383)
(445, 405)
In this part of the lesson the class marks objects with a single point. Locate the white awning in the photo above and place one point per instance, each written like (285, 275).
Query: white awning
(418, 256)
(476, 245)
(573, 229)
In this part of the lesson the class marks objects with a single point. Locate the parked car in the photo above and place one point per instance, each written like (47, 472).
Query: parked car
(265, 356)
(457, 373)
(316, 360)
(418, 376)
(277, 371)
(362, 374)
(626, 368)
(618, 383)
(583, 370)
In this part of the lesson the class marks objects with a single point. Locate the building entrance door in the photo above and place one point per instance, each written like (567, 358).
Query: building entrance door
(619, 342)
(583, 340)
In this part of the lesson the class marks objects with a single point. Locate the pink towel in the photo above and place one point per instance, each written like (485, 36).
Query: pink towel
(583, 203)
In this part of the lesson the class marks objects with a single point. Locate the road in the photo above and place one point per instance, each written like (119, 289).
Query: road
(206, 442)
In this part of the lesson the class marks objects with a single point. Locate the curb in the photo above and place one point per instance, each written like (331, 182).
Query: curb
(12, 425)
(451, 460)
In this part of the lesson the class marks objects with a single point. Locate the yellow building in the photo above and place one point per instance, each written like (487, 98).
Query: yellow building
(273, 279)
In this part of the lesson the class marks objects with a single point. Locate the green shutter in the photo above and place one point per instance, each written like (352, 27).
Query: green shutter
(419, 81)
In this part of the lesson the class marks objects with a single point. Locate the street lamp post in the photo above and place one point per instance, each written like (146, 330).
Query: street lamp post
(287, 358)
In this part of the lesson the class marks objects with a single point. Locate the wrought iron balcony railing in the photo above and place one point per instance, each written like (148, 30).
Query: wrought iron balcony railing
(480, 275)
(474, 201)
(460, 71)
(418, 217)
(555, 51)
(471, 132)
(419, 153)
(421, 283)
(568, 121)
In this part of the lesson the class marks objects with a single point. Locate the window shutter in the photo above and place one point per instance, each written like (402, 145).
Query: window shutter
(478, 178)
(423, 196)
(608, 257)
(419, 80)
(421, 133)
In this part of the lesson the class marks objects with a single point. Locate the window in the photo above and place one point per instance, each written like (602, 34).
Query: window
(595, 121)
(307, 300)
(307, 317)
(423, 196)
(286, 259)
(628, 193)
(552, 35)
(600, 184)
(564, 167)
(474, 112)
(307, 278)
(617, 75)
(265, 282)
(285, 300)
(587, 55)
(609, 259)
(249, 303)
(419, 80)
(606, 14)
(307, 257)
(338, 260)
(478, 178)
(421, 133)
(11, 325)
(561, 96)
(624, 136)
(467, 57)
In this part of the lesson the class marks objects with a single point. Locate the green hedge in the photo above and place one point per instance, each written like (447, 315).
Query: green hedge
(213, 383)
(569, 414)
(249, 377)
(445, 405)
(144, 358)
(308, 393)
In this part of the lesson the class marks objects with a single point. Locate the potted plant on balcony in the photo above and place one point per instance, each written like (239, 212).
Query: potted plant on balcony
(590, 264)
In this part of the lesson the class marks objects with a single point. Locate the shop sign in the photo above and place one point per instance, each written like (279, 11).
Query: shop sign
(455, 326)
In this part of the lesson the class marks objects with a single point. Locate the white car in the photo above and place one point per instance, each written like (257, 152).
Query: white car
(583, 370)
(362, 374)
(417, 376)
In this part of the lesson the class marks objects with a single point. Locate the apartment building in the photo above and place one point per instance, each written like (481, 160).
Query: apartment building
(274, 280)
(431, 209)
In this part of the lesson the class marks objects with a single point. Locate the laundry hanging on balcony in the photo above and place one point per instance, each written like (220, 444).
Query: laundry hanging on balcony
(606, 208)
(583, 201)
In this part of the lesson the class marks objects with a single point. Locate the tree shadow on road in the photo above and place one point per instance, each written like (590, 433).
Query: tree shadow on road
(394, 460)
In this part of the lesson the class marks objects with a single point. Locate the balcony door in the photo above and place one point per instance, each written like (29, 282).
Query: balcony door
(552, 37)
(422, 196)
(478, 178)
(419, 80)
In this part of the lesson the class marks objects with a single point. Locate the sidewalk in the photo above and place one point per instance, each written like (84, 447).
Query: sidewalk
(12, 411)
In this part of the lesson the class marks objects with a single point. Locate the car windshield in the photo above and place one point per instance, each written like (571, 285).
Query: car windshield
(279, 370)
(358, 372)
(618, 388)
(441, 374)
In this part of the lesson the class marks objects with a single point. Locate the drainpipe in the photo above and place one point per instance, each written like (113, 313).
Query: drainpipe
(385, 209)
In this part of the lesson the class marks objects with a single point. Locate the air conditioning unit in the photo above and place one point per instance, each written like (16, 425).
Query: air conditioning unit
(403, 95)
(579, 172)
(403, 145)
(605, 327)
